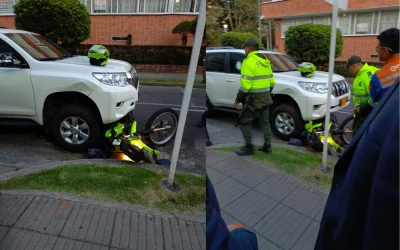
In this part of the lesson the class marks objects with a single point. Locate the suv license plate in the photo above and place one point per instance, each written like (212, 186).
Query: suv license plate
(343, 101)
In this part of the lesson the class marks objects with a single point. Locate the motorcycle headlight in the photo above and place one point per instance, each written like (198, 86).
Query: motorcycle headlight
(113, 79)
(316, 87)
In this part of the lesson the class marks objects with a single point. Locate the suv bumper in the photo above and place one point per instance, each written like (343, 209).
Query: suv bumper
(114, 102)
(315, 108)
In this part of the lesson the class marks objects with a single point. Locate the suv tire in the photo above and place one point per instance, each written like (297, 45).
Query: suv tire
(77, 122)
(286, 121)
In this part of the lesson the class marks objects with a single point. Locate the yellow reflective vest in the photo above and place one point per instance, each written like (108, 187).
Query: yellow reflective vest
(257, 80)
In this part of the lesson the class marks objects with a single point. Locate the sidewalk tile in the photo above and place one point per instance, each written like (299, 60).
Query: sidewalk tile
(282, 226)
(126, 227)
(15, 212)
(42, 243)
(193, 236)
(134, 233)
(116, 235)
(61, 217)
(4, 170)
(12, 239)
(3, 232)
(159, 232)
(213, 157)
(252, 176)
(45, 222)
(91, 232)
(232, 166)
(176, 235)
(201, 234)
(228, 218)
(308, 239)
(101, 226)
(25, 240)
(217, 138)
(228, 191)
(151, 233)
(215, 176)
(319, 215)
(276, 187)
(30, 214)
(251, 208)
(142, 232)
(305, 201)
(52, 241)
(167, 232)
(187, 245)
(264, 244)
(84, 228)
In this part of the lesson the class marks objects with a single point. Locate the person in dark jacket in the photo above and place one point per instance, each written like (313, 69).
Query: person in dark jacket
(219, 235)
(362, 211)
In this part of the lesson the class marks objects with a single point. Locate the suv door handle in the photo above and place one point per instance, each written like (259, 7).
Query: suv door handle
(229, 80)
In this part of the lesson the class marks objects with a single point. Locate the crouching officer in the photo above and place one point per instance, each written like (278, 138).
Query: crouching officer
(256, 85)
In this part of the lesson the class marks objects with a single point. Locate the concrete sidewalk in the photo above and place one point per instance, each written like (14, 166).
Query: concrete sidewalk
(284, 212)
(165, 76)
(31, 221)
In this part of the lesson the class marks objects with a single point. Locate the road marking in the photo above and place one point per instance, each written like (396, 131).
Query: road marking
(167, 104)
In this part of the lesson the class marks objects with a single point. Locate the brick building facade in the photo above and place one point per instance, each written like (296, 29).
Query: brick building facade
(150, 22)
(360, 24)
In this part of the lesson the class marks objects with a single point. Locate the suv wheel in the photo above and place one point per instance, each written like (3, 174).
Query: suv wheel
(286, 121)
(75, 128)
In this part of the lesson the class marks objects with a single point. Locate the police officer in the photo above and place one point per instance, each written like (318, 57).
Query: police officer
(256, 85)
(363, 74)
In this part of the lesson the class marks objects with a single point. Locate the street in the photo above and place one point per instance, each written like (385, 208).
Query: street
(22, 147)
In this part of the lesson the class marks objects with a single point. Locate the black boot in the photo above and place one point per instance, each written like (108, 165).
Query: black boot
(266, 148)
(246, 150)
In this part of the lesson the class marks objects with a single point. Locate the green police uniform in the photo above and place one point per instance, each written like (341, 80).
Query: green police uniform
(256, 84)
(361, 93)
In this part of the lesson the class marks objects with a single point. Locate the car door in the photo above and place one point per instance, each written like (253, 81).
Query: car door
(232, 79)
(215, 78)
(16, 90)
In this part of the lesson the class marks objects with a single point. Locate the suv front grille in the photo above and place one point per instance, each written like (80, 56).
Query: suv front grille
(135, 78)
(340, 88)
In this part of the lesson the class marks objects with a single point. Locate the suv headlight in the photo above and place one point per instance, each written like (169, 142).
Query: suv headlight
(114, 79)
(316, 87)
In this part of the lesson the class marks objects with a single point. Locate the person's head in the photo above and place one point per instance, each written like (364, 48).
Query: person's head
(354, 64)
(250, 46)
(388, 44)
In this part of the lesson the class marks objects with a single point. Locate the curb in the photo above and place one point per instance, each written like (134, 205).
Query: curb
(159, 84)
(299, 149)
(110, 204)
(274, 170)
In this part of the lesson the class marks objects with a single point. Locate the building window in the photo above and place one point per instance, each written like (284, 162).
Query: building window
(389, 19)
(125, 6)
(369, 23)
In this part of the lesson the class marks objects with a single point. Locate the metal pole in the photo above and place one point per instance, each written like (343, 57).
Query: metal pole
(331, 64)
(188, 89)
(270, 34)
(259, 21)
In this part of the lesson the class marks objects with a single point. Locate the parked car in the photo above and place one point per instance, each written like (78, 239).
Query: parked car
(72, 99)
(296, 99)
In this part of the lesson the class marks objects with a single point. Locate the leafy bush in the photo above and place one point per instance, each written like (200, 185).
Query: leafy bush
(166, 55)
(236, 39)
(339, 68)
(311, 43)
(64, 21)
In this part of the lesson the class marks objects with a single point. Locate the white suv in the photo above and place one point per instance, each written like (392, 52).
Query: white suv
(296, 99)
(41, 82)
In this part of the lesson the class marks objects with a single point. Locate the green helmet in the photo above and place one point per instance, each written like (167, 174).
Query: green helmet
(98, 55)
(307, 69)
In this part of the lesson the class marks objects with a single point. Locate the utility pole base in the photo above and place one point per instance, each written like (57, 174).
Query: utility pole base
(174, 188)
(325, 170)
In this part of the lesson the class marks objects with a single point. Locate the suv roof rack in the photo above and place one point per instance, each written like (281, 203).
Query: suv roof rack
(226, 47)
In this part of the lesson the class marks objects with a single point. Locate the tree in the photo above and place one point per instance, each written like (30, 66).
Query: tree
(184, 28)
(311, 43)
(237, 40)
(64, 21)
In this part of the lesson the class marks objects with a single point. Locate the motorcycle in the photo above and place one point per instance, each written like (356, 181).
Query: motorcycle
(315, 138)
(125, 142)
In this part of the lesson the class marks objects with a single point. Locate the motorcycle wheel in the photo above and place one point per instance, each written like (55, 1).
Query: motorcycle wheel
(347, 127)
(160, 119)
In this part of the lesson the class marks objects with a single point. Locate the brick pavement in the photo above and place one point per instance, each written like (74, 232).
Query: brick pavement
(284, 212)
(40, 222)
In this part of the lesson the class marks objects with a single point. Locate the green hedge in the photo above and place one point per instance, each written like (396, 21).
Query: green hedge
(236, 39)
(311, 42)
(166, 55)
(339, 68)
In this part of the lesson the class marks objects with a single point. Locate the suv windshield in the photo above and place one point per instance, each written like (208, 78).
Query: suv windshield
(38, 47)
(281, 63)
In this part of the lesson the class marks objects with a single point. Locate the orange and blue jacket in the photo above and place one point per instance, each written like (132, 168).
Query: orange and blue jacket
(383, 79)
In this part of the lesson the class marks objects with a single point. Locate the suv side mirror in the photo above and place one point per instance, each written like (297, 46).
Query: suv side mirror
(6, 59)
